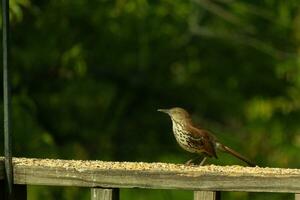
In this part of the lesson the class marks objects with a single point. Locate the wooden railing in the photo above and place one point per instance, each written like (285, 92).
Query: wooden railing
(105, 178)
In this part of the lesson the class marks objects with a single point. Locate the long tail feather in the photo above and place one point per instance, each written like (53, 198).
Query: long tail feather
(235, 154)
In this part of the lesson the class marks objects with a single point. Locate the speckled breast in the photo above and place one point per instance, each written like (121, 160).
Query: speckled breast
(184, 140)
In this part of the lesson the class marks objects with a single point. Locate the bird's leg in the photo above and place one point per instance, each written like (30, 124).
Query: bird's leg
(203, 161)
(189, 162)
(195, 160)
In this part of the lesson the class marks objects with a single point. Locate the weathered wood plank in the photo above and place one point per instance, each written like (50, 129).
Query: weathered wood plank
(297, 196)
(205, 195)
(154, 175)
(104, 194)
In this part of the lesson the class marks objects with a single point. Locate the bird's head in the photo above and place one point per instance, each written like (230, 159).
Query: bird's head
(177, 114)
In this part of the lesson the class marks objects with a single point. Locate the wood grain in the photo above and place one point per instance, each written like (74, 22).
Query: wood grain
(205, 195)
(104, 194)
(153, 175)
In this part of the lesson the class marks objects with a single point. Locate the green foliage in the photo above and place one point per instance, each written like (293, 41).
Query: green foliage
(87, 78)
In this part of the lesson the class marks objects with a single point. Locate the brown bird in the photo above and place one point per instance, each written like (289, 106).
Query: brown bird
(197, 140)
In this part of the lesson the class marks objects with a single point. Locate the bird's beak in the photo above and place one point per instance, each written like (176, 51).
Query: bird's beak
(164, 111)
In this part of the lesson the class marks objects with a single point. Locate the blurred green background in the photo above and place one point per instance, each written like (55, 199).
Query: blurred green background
(88, 76)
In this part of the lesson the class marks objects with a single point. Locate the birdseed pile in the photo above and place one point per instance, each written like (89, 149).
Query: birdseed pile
(83, 165)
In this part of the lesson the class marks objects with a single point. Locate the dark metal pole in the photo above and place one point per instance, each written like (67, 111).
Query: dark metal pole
(6, 101)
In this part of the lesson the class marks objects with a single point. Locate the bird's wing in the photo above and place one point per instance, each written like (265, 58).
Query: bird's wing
(203, 139)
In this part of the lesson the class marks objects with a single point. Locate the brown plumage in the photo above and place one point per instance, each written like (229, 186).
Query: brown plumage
(195, 139)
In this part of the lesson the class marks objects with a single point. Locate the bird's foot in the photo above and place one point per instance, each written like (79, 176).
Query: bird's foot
(203, 161)
(189, 162)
